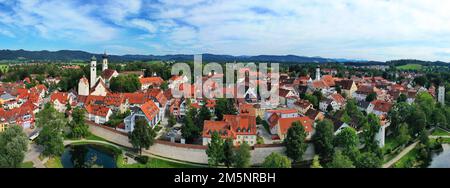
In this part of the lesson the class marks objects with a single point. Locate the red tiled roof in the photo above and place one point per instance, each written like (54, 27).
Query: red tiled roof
(381, 106)
(328, 80)
(231, 126)
(157, 94)
(283, 111)
(302, 103)
(62, 97)
(135, 98)
(150, 110)
(151, 81)
(108, 73)
(114, 99)
(338, 98)
(286, 123)
(97, 110)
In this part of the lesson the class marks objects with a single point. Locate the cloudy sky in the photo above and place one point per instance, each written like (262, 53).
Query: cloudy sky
(358, 29)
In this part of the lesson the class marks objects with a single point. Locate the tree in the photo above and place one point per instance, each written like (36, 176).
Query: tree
(276, 160)
(224, 106)
(438, 118)
(340, 161)
(316, 162)
(228, 155)
(78, 128)
(323, 139)
(242, 156)
(370, 131)
(51, 136)
(426, 103)
(402, 98)
(215, 150)
(371, 97)
(403, 135)
(203, 114)
(398, 114)
(368, 160)
(171, 121)
(347, 138)
(190, 131)
(421, 80)
(346, 118)
(125, 83)
(338, 89)
(295, 142)
(13, 145)
(417, 121)
(312, 99)
(142, 136)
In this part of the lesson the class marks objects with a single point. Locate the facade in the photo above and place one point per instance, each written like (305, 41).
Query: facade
(149, 111)
(98, 113)
(241, 128)
(93, 74)
(441, 95)
(83, 86)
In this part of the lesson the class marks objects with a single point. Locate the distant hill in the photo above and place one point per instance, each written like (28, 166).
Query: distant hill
(73, 55)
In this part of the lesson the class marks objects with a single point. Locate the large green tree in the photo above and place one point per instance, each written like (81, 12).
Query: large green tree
(78, 127)
(142, 136)
(13, 145)
(242, 156)
(323, 139)
(215, 150)
(276, 160)
(51, 136)
(295, 142)
(223, 107)
(340, 161)
(125, 83)
(228, 154)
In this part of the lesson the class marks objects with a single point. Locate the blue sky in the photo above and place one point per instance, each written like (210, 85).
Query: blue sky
(358, 29)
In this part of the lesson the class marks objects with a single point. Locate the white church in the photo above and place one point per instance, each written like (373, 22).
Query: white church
(97, 85)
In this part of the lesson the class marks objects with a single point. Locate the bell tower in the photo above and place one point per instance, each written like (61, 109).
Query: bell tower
(105, 62)
(93, 71)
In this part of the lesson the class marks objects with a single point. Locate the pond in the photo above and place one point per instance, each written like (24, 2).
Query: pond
(441, 159)
(88, 156)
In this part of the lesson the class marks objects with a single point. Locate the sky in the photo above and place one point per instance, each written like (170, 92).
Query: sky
(354, 29)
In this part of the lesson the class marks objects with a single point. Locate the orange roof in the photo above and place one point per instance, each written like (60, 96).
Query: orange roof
(210, 103)
(135, 98)
(302, 103)
(231, 126)
(283, 111)
(245, 108)
(319, 84)
(97, 110)
(62, 97)
(381, 106)
(157, 94)
(108, 73)
(328, 80)
(114, 99)
(338, 98)
(152, 81)
(150, 110)
(286, 123)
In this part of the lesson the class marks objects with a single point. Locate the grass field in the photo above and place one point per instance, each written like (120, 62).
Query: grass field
(440, 132)
(28, 164)
(158, 163)
(410, 67)
(54, 162)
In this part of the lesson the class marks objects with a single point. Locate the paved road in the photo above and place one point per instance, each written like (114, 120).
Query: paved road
(264, 134)
(32, 155)
(400, 155)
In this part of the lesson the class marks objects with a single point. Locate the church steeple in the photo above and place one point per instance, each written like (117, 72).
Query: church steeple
(105, 61)
(93, 71)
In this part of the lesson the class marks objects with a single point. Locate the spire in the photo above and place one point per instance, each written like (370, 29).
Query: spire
(93, 58)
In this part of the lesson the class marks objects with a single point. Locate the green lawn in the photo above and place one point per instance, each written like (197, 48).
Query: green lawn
(410, 67)
(440, 132)
(407, 161)
(154, 163)
(28, 164)
(54, 162)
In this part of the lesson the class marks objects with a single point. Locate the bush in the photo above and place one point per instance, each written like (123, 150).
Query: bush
(142, 159)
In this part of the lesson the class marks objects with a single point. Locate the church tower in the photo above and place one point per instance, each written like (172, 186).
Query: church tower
(105, 62)
(441, 95)
(318, 73)
(93, 71)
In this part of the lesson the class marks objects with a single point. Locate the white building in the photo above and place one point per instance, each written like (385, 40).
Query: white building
(441, 95)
